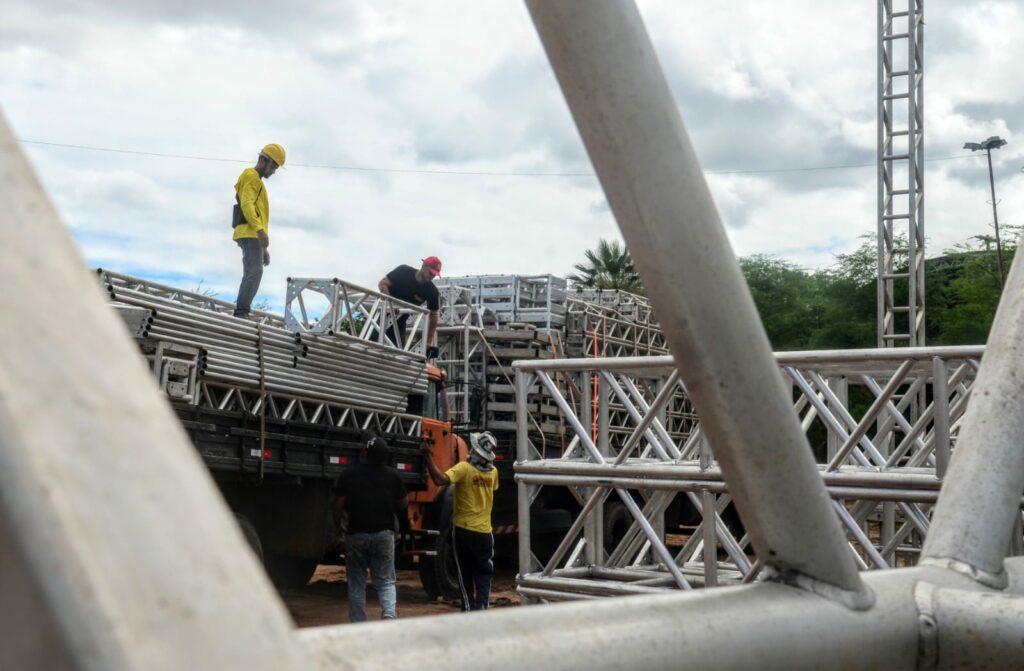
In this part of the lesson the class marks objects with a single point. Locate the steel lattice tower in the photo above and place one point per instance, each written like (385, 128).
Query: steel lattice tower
(901, 306)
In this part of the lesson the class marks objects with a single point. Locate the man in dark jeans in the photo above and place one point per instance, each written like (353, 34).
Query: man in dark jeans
(371, 494)
(251, 224)
(417, 287)
(475, 481)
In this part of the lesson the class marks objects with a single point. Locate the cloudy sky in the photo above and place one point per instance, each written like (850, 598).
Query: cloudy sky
(391, 109)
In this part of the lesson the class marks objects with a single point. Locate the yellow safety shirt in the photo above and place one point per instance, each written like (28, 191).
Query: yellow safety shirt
(474, 496)
(255, 207)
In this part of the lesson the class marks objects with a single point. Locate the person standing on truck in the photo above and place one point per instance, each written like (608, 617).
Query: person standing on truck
(475, 482)
(371, 494)
(417, 287)
(251, 221)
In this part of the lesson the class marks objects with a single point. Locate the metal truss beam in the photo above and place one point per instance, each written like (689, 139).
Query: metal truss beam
(901, 243)
(651, 461)
(355, 311)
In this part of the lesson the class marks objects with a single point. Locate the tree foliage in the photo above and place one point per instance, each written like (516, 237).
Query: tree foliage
(836, 307)
(609, 266)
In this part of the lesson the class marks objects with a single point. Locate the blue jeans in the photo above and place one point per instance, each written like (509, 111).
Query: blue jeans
(376, 552)
(252, 273)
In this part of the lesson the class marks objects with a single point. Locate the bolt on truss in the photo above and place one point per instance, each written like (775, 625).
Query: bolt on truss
(882, 498)
(901, 243)
(354, 310)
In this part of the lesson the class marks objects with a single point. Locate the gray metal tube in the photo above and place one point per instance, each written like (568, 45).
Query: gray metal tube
(630, 124)
(847, 359)
(784, 629)
(523, 491)
(98, 483)
(940, 394)
(981, 495)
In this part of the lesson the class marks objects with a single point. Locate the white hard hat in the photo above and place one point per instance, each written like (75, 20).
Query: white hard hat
(482, 446)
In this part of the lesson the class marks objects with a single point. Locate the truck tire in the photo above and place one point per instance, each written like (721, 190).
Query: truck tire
(289, 572)
(439, 574)
(251, 536)
(617, 521)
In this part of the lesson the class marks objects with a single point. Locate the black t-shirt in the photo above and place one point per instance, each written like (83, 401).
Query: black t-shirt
(405, 287)
(371, 496)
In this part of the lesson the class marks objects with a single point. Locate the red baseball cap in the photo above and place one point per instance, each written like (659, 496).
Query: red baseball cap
(433, 264)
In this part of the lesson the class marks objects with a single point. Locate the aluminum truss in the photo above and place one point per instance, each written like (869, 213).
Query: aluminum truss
(901, 294)
(289, 407)
(356, 311)
(864, 479)
(139, 573)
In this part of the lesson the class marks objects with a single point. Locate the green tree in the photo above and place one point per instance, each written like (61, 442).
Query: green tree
(785, 297)
(963, 294)
(609, 266)
(846, 306)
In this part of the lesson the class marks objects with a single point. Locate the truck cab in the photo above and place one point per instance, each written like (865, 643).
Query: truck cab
(430, 509)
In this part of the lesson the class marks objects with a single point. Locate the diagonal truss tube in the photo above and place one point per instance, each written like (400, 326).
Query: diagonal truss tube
(979, 503)
(97, 570)
(620, 101)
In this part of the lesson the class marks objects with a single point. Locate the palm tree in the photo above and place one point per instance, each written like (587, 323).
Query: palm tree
(607, 267)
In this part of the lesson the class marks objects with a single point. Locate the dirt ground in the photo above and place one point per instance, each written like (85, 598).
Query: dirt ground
(325, 599)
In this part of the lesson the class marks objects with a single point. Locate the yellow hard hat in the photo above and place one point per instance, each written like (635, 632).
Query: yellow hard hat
(275, 153)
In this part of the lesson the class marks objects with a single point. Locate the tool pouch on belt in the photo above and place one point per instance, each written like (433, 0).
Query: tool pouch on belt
(237, 219)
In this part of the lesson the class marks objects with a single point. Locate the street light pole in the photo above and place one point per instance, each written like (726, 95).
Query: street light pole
(995, 219)
(988, 145)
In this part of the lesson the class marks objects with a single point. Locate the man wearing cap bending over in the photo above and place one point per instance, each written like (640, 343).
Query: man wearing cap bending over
(475, 481)
(251, 221)
(417, 287)
(371, 494)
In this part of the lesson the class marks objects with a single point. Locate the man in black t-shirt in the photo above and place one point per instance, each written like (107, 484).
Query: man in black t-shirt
(372, 494)
(417, 287)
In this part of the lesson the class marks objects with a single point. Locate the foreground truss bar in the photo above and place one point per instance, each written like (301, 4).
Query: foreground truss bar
(116, 549)
(769, 627)
(986, 475)
(630, 125)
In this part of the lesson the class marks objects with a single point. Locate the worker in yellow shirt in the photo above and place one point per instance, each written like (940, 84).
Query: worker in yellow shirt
(475, 482)
(251, 221)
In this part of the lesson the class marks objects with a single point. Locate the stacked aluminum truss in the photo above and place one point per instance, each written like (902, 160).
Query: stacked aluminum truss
(506, 299)
(487, 322)
(901, 295)
(612, 324)
(340, 379)
(883, 497)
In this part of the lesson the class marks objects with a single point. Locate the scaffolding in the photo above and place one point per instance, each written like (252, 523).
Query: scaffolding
(656, 471)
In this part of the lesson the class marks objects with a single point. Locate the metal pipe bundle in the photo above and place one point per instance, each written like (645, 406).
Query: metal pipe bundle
(341, 369)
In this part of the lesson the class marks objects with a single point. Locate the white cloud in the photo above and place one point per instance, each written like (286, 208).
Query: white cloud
(464, 86)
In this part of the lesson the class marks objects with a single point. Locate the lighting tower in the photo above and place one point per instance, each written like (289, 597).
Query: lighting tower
(901, 316)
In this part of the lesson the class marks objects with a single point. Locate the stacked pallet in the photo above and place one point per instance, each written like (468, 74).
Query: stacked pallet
(502, 300)
(517, 343)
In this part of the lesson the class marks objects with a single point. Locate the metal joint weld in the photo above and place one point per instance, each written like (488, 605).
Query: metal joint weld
(927, 627)
(854, 600)
(988, 579)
